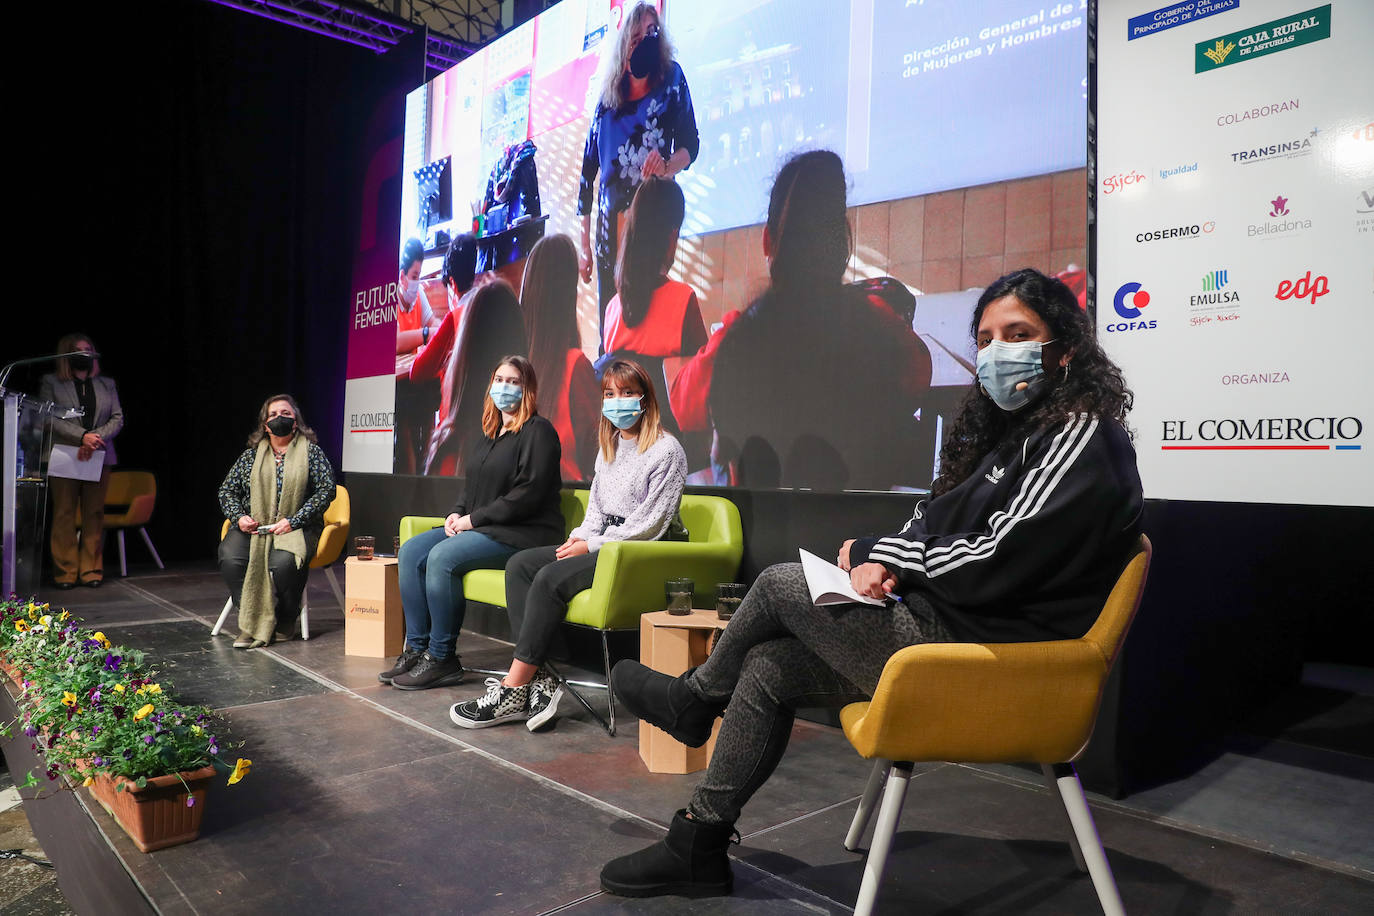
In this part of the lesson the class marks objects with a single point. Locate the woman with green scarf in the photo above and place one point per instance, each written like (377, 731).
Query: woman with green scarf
(275, 498)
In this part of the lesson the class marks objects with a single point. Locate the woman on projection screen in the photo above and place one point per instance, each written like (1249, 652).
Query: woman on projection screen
(643, 127)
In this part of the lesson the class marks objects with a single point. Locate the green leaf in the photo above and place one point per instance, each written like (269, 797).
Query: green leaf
(142, 782)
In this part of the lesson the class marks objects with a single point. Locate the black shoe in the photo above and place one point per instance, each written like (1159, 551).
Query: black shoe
(65, 586)
(665, 701)
(690, 861)
(430, 672)
(91, 583)
(404, 662)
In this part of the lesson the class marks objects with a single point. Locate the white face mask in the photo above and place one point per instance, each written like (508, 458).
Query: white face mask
(409, 291)
(1012, 374)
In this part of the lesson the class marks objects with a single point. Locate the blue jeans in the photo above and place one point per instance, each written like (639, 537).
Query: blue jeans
(431, 568)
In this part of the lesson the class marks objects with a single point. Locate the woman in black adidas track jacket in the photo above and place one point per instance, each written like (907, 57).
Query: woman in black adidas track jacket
(1036, 508)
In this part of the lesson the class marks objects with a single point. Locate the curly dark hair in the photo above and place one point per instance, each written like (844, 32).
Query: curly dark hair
(1091, 384)
(259, 432)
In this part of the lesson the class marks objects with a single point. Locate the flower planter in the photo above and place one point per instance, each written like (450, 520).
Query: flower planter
(156, 816)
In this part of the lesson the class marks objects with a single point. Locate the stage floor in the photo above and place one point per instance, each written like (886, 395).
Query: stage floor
(366, 799)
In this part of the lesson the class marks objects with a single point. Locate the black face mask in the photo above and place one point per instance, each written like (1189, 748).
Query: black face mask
(80, 363)
(281, 426)
(645, 56)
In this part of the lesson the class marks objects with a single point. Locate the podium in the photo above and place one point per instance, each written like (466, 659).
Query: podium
(23, 493)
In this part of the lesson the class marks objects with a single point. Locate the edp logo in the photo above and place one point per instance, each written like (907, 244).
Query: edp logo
(1305, 287)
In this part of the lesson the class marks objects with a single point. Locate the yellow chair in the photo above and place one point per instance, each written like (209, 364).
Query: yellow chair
(327, 552)
(129, 503)
(1030, 702)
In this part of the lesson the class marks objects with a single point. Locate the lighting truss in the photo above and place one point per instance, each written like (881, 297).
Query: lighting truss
(454, 28)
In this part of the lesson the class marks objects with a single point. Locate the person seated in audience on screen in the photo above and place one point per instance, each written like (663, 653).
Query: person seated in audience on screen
(1036, 508)
(651, 317)
(510, 502)
(491, 326)
(569, 396)
(415, 320)
(815, 386)
(640, 471)
(458, 276)
(274, 497)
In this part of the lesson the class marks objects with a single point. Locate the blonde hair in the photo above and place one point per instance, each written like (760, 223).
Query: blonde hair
(67, 345)
(625, 371)
(615, 81)
(529, 398)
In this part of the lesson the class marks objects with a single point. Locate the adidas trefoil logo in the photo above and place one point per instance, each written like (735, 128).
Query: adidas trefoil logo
(996, 475)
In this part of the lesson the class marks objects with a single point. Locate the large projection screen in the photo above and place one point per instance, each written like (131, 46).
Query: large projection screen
(962, 125)
(1235, 243)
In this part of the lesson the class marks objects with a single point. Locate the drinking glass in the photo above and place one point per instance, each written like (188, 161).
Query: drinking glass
(728, 597)
(679, 594)
(362, 546)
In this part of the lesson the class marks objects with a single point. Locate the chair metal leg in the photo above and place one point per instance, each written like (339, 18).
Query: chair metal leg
(147, 540)
(305, 612)
(1071, 791)
(228, 606)
(576, 695)
(334, 584)
(888, 816)
(1050, 778)
(123, 566)
(610, 690)
(862, 817)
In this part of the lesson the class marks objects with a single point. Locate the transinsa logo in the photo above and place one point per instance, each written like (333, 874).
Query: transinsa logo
(1130, 298)
(1296, 148)
(1310, 434)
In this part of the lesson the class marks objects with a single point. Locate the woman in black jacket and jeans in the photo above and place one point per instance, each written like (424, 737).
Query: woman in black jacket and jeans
(1036, 508)
(510, 502)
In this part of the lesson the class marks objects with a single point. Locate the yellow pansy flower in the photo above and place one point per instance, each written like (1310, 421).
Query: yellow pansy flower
(143, 712)
(68, 698)
(21, 625)
(118, 688)
(154, 689)
(64, 616)
(240, 770)
(46, 620)
(88, 780)
(197, 730)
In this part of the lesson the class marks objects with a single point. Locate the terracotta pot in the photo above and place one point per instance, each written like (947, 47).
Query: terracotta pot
(13, 672)
(156, 816)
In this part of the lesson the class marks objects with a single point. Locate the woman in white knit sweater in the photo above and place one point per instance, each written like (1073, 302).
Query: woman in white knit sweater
(640, 472)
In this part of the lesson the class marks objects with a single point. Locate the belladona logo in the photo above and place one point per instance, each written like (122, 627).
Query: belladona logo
(1278, 206)
(1130, 298)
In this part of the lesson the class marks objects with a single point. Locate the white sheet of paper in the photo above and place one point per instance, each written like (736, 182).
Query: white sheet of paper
(64, 463)
(829, 584)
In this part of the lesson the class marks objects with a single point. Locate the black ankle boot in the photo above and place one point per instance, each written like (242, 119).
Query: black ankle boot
(691, 861)
(665, 701)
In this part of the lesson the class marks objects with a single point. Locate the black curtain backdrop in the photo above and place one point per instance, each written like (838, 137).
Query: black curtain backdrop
(200, 174)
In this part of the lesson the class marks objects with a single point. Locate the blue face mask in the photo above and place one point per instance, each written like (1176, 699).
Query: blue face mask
(622, 412)
(1013, 374)
(506, 396)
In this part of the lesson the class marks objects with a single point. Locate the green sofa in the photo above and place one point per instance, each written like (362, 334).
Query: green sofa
(629, 574)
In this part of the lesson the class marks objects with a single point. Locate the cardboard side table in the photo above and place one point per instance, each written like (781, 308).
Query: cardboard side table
(374, 625)
(672, 644)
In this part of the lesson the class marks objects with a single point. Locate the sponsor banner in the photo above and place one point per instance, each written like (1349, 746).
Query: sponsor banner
(369, 423)
(1269, 38)
(1234, 284)
(1174, 15)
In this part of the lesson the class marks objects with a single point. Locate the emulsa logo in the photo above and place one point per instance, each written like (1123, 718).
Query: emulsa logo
(1130, 301)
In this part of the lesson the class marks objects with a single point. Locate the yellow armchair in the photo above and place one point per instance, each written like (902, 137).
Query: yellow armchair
(992, 703)
(129, 502)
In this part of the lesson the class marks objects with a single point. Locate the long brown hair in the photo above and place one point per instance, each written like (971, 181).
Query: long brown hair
(258, 432)
(66, 345)
(625, 371)
(491, 327)
(492, 420)
(651, 227)
(548, 298)
(615, 84)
